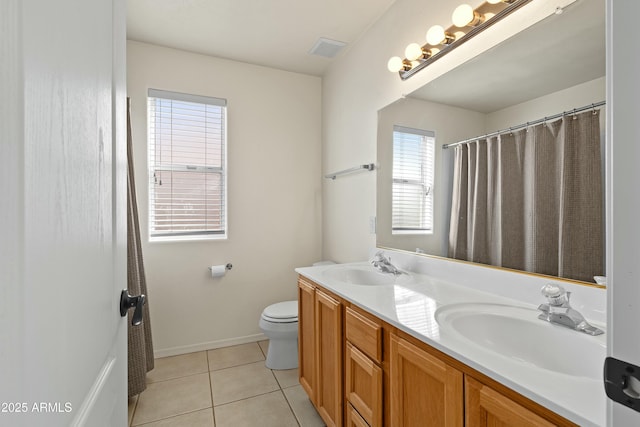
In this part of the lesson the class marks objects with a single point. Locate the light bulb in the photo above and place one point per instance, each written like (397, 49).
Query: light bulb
(435, 35)
(463, 15)
(413, 52)
(395, 64)
(494, 1)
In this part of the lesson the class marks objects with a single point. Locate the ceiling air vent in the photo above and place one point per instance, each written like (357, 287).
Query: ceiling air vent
(327, 48)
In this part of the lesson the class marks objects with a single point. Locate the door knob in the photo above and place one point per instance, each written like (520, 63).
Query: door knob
(127, 301)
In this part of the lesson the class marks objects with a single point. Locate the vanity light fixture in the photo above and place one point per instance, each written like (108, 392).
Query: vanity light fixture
(437, 36)
(465, 16)
(414, 51)
(467, 22)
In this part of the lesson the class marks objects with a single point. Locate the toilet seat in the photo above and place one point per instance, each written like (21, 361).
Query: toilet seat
(279, 323)
(281, 312)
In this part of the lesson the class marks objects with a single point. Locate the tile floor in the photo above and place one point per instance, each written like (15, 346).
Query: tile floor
(223, 387)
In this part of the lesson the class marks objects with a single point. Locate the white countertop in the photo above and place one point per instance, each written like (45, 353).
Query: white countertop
(411, 308)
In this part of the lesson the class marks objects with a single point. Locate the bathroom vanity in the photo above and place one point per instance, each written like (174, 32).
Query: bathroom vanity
(378, 349)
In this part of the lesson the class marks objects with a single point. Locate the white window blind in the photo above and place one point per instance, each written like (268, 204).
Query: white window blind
(187, 166)
(413, 170)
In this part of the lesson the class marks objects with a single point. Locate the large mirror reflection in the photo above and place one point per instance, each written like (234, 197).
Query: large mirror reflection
(555, 66)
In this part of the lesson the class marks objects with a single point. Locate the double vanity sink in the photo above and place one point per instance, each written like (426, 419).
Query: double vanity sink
(503, 338)
(511, 332)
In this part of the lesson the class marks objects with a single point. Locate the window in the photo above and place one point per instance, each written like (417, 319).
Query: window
(412, 193)
(187, 166)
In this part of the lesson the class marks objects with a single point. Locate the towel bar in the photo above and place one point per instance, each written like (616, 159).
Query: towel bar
(369, 167)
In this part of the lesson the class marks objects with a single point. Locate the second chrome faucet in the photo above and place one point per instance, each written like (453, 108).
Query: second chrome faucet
(383, 264)
(559, 311)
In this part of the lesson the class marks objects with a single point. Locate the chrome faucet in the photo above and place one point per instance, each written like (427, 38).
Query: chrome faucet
(383, 264)
(559, 311)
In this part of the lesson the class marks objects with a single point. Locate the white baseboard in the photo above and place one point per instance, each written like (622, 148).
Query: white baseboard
(174, 351)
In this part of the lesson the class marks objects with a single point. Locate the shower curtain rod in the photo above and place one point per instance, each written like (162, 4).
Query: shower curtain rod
(524, 125)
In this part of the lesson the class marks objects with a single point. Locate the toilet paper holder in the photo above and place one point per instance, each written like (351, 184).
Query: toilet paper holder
(228, 266)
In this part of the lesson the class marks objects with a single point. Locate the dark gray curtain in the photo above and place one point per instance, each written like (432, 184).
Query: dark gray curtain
(140, 350)
(532, 199)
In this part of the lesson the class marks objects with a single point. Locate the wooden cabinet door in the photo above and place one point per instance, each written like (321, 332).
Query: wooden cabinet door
(424, 391)
(487, 407)
(363, 385)
(328, 333)
(306, 338)
(354, 419)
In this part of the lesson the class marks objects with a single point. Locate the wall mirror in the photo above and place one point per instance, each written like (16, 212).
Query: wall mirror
(554, 66)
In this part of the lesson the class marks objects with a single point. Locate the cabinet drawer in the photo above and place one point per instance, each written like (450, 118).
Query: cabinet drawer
(363, 385)
(364, 334)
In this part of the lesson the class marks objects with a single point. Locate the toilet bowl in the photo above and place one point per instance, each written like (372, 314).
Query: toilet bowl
(279, 322)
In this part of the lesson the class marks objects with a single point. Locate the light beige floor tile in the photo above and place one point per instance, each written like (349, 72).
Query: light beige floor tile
(173, 397)
(132, 407)
(203, 418)
(241, 382)
(264, 346)
(267, 410)
(178, 366)
(227, 357)
(287, 378)
(302, 407)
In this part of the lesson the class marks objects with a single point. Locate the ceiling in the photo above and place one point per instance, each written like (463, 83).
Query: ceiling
(559, 52)
(272, 33)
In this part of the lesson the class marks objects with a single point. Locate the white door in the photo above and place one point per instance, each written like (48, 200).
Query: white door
(623, 204)
(63, 209)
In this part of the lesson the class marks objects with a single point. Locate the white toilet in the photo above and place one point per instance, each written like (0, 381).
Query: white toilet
(279, 322)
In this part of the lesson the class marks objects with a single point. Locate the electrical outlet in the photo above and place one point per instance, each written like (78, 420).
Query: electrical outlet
(372, 225)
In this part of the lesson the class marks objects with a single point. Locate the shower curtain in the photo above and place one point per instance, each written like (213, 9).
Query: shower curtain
(140, 345)
(532, 199)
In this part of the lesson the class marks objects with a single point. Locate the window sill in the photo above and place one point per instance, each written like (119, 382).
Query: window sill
(411, 232)
(195, 238)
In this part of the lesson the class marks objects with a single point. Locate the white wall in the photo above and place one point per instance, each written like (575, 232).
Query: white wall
(274, 204)
(358, 84)
(580, 95)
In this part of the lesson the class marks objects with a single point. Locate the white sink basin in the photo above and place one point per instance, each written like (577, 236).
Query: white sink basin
(517, 334)
(365, 275)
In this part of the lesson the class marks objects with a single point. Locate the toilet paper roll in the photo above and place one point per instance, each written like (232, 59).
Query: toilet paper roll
(218, 270)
